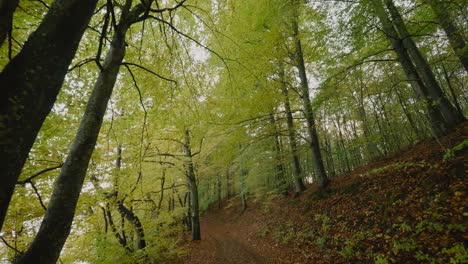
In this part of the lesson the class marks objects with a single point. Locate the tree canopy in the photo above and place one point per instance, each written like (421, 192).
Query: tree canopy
(122, 120)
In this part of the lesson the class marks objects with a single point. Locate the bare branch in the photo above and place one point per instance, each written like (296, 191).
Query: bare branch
(38, 195)
(9, 246)
(30, 178)
(148, 70)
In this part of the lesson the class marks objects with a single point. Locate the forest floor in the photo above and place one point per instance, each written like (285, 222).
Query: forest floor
(409, 208)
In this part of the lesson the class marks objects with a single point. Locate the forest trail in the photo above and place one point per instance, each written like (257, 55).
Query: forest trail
(227, 238)
(416, 195)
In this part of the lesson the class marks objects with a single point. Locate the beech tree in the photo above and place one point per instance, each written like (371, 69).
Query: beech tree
(170, 107)
(31, 81)
(7, 8)
(441, 112)
(55, 227)
(455, 37)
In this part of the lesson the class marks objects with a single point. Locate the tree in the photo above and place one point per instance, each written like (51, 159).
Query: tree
(193, 189)
(7, 8)
(296, 166)
(442, 114)
(30, 84)
(454, 35)
(321, 174)
(55, 226)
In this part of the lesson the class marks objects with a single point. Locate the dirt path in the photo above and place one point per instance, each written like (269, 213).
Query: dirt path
(232, 242)
(229, 247)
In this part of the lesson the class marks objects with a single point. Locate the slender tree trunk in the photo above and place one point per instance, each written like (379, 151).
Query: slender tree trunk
(192, 184)
(128, 214)
(218, 190)
(296, 166)
(329, 157)
(135, 222)
(242, 175)
(121, 238)
(381, 130)
(343, 147)
(104, 216)
(452, 90)
(450, 117)
(280, 179)
(55, 226)
(29, 85)
(161, 197)
(321, 174)
(372, 150)
(454, 35)
(410, 119)
(228, 183)
(433, 112)
(7, 8)
(188, 203)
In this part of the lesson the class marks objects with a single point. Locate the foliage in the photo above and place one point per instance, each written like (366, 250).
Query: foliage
(214, 68)
(452, 153)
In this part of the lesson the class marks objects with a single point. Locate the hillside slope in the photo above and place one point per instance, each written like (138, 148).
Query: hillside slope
(410, 208)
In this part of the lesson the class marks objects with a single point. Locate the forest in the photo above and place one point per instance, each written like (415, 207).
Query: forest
(233, 131)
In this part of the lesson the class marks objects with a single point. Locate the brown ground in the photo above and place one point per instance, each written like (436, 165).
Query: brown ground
(229, 236)
(410, 208)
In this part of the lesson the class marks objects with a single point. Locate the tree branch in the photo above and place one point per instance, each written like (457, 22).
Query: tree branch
(28, 179)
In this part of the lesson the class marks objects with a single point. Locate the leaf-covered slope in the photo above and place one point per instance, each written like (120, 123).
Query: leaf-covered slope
(410, 208)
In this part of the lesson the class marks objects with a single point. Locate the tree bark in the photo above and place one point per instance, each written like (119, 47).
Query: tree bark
(193, 189)
(280, 177)
(329, 158)
(321, 174)
(29, 85)
(56, 225)
(296, 166)
(7, 8)
(454, 35)
(419, 134)
(347, 166)
(228, 183)
(218, 190)
(433, 112)
(371, 147)
(242, 174)
(451, 90)
(450, 117)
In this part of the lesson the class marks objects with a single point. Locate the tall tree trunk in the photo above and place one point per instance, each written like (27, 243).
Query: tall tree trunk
(296, 166)
(228, 183)
(454, 35)
(7, 8)
(404, 107)
(55, 226)
(450, 117)
(329, 156)
(193, 189)
(218, 190)
(433, 113)
(242, 175)
(451, 90)
(29, 85)
(344, 155)
(321, 174)
(161, 197)
(280, 179)
(371, 147)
